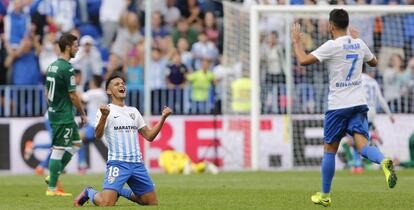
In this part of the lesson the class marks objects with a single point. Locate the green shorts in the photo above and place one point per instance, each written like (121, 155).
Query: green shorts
(64, 135)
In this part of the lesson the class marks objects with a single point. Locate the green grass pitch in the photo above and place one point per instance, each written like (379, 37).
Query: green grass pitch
(244, 190)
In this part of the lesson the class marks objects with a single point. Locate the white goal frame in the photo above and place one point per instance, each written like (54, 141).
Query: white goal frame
(320, 10)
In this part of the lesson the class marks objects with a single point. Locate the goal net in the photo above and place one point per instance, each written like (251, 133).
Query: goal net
(273, 108)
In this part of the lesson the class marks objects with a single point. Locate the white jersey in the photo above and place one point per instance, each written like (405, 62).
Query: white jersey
(373, 95)
(94, 98)
(345, 57)
(121, 133)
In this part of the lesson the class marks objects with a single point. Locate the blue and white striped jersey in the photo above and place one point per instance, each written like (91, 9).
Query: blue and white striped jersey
(121, 133)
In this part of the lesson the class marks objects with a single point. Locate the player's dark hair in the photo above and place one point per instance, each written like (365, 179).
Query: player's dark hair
(339, 18)
(77, 72)
(97, 80)
(66, 40)
(114, 76)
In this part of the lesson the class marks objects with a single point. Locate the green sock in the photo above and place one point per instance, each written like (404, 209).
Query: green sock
(55, 168)
(66, 159)
(325, 195)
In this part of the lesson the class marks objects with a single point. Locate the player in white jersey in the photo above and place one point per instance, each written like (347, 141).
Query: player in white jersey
(94, 97)
(347, 107)
(373, 96)
(121, 124)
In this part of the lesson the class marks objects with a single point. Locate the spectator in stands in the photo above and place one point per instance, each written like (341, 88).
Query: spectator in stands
(410, 85)
(159, 31)
(192, 12)
(127, 36)
(16, 24)
(365, 25)
(50, 51)
(201, 82)
(186, 56)
(39, 12)
(157, 78)
(240, 95)
(175, 77)
(172, 14)
(114, 67)
(134, 71)
(183, 30)
(88, 59)
(110, 15)
(63, 14)
(392, 38)
(3, 70)
(176, 71)
(308, 34)
(166, 46)
(273, 59)
(24, 62)
(204, 49)
(409, 33)
(221, 72)
(395, 82)
(159, 6)
(210, 28)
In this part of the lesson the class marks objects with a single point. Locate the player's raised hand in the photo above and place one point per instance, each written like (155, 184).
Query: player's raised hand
(104, 110)
(353, 32)
(166, 112)
(295, 33)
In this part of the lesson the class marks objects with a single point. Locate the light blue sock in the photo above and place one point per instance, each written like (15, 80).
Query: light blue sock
(126, 192)
(328, 171)
(91, 194)
(357, 158)
(372, 153)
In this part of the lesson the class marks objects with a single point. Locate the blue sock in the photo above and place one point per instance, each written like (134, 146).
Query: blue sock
(126, 193)
(357, 158)
(328, 171)
(91, 194)
(372, 153)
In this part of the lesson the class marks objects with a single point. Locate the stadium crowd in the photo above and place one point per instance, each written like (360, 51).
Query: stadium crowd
(187, 44)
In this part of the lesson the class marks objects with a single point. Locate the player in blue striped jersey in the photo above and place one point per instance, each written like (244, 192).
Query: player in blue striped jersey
(120, 125)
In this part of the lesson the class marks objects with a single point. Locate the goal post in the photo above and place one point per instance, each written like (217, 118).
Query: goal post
(239, 19)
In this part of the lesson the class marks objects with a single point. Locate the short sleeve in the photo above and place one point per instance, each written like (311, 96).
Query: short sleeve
(368, 56)
(70, 80)
(324, 51)
(140, 120)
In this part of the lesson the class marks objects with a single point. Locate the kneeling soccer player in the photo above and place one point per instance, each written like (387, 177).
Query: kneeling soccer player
(121, 125)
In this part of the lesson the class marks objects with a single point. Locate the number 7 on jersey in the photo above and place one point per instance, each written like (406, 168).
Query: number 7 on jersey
(354, 58)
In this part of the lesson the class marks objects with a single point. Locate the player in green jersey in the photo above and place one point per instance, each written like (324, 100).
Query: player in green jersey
(61, 96)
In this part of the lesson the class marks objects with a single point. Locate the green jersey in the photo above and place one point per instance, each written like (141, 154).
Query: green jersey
(60, 81)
